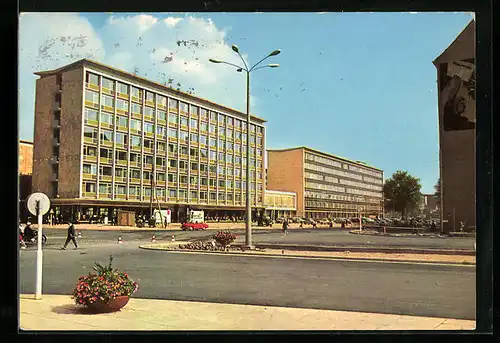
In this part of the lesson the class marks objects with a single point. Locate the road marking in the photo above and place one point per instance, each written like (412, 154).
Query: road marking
(316, 258)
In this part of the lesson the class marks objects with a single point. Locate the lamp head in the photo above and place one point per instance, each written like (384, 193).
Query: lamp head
(239, 69)
(235, 48)
(274, 65)
(275, 52)
(214, 60)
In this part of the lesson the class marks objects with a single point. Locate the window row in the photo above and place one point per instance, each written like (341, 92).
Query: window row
(339, 197)
(333, 205)
(378, 175)
(106, 188)
(109, 86)
(323, 160)
(121, 189)
(315, 185)
(91, 133)
(360, 192)
(173, 153)
(332, 171)
(360, 184)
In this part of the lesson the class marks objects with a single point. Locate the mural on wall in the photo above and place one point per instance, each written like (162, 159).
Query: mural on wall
(458, 103)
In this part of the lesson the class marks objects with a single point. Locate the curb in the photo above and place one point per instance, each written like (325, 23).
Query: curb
(464, 252)
(362, 259)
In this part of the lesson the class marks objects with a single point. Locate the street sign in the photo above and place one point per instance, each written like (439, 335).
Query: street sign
(40, 198)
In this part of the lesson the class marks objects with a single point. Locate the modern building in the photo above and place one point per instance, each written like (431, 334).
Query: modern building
(457, 134)
(106, 140)
(279, 204)
(25, 171)
(326, 185)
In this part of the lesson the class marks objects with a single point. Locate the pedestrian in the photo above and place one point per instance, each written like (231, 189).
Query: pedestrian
(433, 226)
(285, 226)
(70, 237)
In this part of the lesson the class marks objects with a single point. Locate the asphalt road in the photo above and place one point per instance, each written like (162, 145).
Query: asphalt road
(410, 289)
(275, 236)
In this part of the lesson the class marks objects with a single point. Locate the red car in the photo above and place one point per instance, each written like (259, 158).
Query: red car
(194, 226)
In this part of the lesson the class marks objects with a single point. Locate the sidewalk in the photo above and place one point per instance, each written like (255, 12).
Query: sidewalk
(58, 312)
(336, 255)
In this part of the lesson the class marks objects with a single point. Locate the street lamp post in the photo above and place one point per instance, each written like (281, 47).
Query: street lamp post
(248, 224)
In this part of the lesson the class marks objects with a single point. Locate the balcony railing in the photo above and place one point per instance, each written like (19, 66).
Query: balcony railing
(108, 91)
(89, 176)
(122, 95)
(92, 86)
(90, 158)
(88, 194)
(136, 115)
(110, 109)
(91, 104)
(105, 177)
(106, 143)
(105, 160)
(105, 195)
(121, 162)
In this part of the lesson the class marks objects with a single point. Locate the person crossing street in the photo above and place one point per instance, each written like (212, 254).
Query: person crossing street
(285, 226)
(71, 236)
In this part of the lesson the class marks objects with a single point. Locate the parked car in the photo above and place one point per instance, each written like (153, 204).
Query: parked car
(265, 221)
(194, 226)
(339, 220)
(298, 220)
(280, 220)
(324, 221)
(309, 221)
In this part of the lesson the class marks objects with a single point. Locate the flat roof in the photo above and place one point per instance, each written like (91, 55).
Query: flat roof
(279, 192)
(359, 163)
(25, 142)
(98, 65)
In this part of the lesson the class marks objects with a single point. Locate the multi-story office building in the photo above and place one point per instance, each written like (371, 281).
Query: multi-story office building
(106, 139)
(457, 131)
(326, 185)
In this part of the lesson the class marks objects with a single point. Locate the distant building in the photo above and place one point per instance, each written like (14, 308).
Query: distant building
(326, 186)
(429, 205)
(457, 120)
(280, 204)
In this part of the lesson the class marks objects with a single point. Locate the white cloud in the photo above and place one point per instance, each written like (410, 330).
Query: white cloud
(170, 21)
(175, 49)
(48, 41)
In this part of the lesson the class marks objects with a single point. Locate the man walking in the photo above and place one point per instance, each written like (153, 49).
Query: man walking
(71, 236)
(285, 226)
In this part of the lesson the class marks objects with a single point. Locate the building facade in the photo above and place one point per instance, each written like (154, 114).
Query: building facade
(106, 140)
(457, 143)
(327, 186)
(279, 204)
(25, 175)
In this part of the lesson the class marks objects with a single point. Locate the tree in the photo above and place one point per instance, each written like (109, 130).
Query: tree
(402, 192)
(437, 188)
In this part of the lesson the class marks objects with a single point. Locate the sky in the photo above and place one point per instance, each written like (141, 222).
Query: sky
(357, 85)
